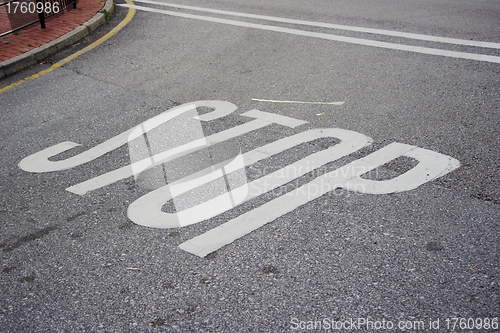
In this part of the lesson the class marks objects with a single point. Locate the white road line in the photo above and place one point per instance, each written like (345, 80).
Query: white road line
(297, 102)
(334, 26)
(351, 40)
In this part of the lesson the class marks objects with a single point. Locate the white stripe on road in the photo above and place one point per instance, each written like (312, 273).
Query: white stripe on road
(333, 26)
(352, 40)
(297, 102)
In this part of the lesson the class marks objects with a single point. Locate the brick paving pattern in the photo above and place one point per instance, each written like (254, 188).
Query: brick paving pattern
(33, 36)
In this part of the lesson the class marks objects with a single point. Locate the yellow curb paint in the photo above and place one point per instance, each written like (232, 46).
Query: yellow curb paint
(127, 19)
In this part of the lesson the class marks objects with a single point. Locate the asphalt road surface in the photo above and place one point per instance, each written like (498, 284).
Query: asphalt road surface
(267, 166)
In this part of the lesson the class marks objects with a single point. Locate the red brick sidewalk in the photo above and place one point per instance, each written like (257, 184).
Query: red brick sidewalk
(33, 36)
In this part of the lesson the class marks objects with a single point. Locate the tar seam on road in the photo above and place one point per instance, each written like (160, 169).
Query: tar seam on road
(126, 20)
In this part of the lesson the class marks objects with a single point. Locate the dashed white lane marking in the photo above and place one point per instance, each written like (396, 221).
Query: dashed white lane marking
(351, 40)
(408, 35)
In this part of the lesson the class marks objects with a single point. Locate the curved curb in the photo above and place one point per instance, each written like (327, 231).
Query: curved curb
(32, 57)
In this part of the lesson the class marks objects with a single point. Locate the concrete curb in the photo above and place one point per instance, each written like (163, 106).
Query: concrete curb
(32, 57)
